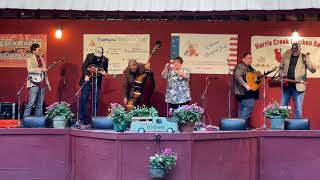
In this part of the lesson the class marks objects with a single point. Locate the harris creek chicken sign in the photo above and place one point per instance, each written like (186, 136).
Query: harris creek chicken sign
(267, 51)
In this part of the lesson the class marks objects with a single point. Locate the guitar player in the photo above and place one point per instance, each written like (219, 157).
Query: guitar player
(246, 98)
(36, 64)
(294, 67)
(93, 68)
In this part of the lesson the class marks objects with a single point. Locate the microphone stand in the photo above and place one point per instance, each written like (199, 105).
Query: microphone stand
(19, 96)
(204, 98)
(264, 126)
(96, 93)
(77, 94)
(229, 91)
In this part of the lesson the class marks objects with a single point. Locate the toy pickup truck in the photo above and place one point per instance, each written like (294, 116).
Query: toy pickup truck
(153, 124)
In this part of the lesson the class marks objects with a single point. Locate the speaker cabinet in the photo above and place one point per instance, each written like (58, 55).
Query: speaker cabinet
(232, 124)
(101, 122)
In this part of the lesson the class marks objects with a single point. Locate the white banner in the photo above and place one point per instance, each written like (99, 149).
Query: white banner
(206, 53)
(267, 51)
(118, 48)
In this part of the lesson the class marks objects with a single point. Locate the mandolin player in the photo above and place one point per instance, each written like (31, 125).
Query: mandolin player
(246, 98)
(93, 68)
(36, 66)
(294, 68)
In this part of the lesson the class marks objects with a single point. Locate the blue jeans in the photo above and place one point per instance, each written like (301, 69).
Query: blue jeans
(84, 97)
(246, 108)
(297, 97)
(35, 98)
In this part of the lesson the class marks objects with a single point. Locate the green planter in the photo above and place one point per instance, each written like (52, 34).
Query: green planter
(276, 123)
(157, 172)
(59, 122)
(119, 127)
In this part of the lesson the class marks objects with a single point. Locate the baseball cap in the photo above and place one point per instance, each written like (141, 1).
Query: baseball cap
(295, 46)
(98, 52)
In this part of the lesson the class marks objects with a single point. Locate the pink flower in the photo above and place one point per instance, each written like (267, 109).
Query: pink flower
(167, 151)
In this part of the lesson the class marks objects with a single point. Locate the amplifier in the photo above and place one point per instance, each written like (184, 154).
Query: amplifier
(7, 110)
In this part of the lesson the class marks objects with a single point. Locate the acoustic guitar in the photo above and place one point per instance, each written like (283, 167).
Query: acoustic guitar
(254, 79)
(144, 85)
(37, 78)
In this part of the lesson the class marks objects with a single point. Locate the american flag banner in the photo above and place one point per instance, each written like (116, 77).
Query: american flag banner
(206, 53)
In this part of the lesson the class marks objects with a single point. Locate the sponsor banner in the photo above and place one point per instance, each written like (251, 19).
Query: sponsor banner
(118, 48)
(15, 48)
(206, 53)
(267, 51)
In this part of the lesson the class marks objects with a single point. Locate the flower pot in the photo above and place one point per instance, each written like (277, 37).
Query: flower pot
(157, 172)
(119, 127)
(187, 127)
(276, 123)
(59, 122)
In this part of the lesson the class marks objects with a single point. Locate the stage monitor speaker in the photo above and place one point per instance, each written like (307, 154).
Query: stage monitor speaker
(297, 124)
(8, 110)
(232, 124)
(101, 122)
(35, 122)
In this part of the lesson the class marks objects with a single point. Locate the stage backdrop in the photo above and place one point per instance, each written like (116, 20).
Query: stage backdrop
(15, 48)
(119, 48)
(206, 53)
(267, 51)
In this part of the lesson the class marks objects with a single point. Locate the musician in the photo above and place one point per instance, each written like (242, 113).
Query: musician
(294, 66)
(36, 64)
(178, 90)
(246, 98)
(94, 62)
(130, 73)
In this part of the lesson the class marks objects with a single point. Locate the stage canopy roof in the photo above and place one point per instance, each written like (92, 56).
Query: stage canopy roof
(160, 5)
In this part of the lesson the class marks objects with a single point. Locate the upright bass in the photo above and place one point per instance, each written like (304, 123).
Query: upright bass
(144, 85)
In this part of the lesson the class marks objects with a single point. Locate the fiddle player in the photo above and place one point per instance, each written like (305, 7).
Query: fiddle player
(94, 62)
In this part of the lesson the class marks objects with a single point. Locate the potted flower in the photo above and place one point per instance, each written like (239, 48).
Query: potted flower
(161, 164)
(187, 116)
(276, 114)
(59, 112)
(143, 112)
(120, 117)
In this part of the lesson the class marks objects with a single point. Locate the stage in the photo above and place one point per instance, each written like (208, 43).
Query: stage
(65, 154)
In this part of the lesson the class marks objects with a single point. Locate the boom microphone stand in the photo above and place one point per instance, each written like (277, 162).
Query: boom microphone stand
(19, 96)
(204, 98)
(77, 94)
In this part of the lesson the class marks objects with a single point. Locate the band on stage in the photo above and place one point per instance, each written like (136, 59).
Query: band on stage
(138, 82)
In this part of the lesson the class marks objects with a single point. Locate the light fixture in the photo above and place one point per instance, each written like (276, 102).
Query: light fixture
(295, 37)
(58, 33)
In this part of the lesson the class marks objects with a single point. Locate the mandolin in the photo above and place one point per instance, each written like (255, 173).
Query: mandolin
(37, 78)
(144, 85)
(254, 79)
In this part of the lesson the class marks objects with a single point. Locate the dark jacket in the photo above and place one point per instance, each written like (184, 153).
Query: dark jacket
(240, 71)
(90, 60)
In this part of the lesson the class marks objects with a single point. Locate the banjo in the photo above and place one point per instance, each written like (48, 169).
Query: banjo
(37, 78)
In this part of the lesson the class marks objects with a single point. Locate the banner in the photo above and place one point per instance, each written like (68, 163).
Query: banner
(267, 51)
(118, 48)
(15, 48)
(206, 53)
